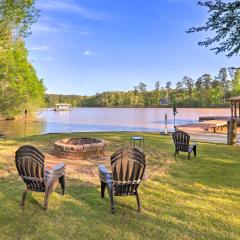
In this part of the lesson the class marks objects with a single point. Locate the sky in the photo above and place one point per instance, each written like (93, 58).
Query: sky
(89, 46)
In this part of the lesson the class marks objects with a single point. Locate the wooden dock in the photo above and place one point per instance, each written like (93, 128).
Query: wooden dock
(206, 125)
(217, 118)
(209, 118)
(213, 124)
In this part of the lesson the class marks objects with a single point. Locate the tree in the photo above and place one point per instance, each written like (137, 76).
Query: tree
(224, 23)
(231, 72)
(205, 92)
(157, 86)
(206, 80)
(20, 87)
(179, 86)
(135, 90)
(188, 83)
(236, 83)
(142, 87)
(224, 81)
(16, 17)
(168, 85)
(215, 83)
(199, 84)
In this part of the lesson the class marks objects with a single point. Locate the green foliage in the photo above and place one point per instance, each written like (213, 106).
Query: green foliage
(16, 17)
(224, 24)
(20, 87)
(142, 87)
(225, 83)
(236, 83)
(206, 91)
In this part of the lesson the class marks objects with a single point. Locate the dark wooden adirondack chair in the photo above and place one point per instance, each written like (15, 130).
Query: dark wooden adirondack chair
(30, 165)
(128, 167)
(181, 141)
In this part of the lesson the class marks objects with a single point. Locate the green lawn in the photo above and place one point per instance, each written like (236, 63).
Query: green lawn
(182, 199)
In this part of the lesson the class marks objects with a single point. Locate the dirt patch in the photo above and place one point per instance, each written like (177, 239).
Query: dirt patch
(158, 160)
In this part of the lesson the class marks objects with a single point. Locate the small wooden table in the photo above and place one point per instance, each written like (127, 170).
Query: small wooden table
(137, 139)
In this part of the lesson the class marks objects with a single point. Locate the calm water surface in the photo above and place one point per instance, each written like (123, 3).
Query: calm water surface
(106, 119)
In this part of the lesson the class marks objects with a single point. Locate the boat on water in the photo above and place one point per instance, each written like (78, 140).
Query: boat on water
(62, 107)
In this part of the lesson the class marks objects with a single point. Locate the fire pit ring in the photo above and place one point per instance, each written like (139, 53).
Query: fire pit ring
(79, 148)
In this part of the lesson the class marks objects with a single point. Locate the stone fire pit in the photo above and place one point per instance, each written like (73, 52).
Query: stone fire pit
(79, 148)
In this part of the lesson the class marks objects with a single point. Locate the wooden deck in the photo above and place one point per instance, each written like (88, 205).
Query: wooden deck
(213, 124)
(208, 118)
(217, 118)
(206, 125)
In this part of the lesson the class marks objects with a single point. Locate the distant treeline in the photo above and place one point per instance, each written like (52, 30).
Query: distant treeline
(206, 91)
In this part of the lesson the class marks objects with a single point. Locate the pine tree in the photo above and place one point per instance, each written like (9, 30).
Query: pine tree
(236, 83)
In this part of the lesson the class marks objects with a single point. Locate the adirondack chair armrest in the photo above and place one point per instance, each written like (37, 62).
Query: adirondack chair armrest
(104, 174)
(185, 144)
(181, 144)
(59, 167)
(55, 172)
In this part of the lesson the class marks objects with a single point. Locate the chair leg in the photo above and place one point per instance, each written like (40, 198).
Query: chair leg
(46, 198)
(138, 202)
(62, 182)
(195, 151)
(103, 187)
(189, 155)
(111, 200)
(24, 195)
(176, 153)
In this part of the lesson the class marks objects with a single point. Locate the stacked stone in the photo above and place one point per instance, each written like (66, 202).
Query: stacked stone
(79, 148)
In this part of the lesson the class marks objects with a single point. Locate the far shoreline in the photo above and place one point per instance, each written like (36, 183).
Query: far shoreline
(171, 106)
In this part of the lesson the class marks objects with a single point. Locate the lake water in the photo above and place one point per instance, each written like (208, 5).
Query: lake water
(106, 119)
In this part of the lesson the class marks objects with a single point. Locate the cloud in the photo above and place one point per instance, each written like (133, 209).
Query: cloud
(54, 5)
(181, 1)
(44, 28)
(49, 59)
(39, 48)
(87, 53)
(75, 28)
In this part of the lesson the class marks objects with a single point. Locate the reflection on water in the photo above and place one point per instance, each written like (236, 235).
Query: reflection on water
(17, 128)
(106, 119)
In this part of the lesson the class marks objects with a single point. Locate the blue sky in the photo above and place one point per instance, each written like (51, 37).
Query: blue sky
(89, 46)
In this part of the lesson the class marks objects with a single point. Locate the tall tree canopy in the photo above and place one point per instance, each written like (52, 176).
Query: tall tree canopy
(16, 17)
(224, 23)
(20, 87)
(236, 83)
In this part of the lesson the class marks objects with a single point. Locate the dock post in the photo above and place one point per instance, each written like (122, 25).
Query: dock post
(232, 132)
(166, 127)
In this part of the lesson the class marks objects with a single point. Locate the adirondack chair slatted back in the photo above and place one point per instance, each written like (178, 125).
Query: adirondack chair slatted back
(181, 140)
(30, 165)
(128, 166)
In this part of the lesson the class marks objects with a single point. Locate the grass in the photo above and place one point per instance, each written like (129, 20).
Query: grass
(182, 199)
